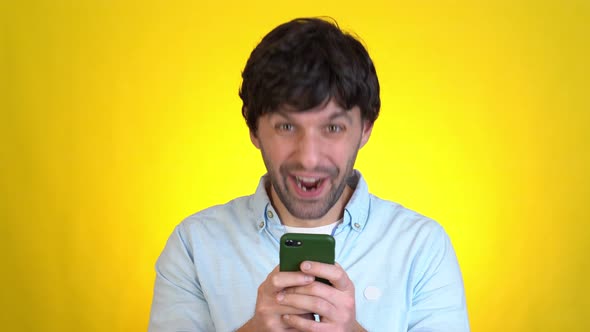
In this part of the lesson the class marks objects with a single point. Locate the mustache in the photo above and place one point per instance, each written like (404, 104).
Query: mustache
(288, 168)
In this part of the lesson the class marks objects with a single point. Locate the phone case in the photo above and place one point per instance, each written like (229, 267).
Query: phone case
(305, 247)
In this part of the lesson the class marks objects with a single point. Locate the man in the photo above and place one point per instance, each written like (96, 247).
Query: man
(310, 97)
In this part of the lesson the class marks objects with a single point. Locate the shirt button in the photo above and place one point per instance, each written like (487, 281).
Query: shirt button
(261, 224)
(357, 225)
(269, 214)
(372, 293)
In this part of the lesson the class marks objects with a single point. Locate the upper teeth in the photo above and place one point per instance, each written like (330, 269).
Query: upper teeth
(303, 182)
(306, 180)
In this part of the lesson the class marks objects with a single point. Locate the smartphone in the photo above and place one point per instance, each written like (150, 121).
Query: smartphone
(297, 247)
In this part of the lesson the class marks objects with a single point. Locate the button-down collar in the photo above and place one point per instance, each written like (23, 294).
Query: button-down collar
(357, 209)
(355, 216)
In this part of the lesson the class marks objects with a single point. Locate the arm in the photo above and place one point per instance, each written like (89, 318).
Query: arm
(178, 302)
(438, 302)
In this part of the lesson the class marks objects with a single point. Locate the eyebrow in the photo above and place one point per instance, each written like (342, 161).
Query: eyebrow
(282, 114)
(341, 113)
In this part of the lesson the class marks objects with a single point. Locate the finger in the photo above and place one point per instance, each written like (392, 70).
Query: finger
(332, 272)
(316, 288)
(335, 297)
(286, 308)
(277, 280)
(307, 303)
(289, 310)
(307, 316)
(302, 324)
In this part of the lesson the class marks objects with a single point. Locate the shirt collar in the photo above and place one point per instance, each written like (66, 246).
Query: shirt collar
(355, 215)
(260, 206)
(357, 209)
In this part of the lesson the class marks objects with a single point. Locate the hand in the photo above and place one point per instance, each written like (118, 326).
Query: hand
(268, 312)
(334, 304)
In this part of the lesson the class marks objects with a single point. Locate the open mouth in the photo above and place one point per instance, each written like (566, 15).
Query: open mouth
(307, 184)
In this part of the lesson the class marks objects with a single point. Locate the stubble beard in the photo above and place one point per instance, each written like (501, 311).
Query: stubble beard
(309, 209)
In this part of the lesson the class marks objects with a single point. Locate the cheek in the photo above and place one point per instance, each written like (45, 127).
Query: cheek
(341, 154)
(274, 153)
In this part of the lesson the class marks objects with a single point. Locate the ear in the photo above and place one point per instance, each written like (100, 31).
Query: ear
(254, 139)
(367, 129)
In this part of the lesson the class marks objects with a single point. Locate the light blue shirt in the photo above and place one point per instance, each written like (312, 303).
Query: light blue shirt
(402, 264)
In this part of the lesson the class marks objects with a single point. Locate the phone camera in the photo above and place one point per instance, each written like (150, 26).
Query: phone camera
(293, 243)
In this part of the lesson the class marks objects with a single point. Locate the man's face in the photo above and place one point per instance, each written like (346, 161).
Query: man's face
(309, 155)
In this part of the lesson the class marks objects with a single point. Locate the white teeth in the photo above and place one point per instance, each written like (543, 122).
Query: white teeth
(306, 180)
(311, 182)
(299, 184)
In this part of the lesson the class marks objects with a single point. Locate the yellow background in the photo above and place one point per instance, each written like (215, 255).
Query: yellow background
(120, 118)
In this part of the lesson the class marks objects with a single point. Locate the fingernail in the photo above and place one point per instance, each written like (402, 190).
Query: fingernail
(309, 278)
(287, 317)
(306, 266)
(280, 296)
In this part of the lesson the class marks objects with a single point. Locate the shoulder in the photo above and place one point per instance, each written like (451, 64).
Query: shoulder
(387, 217)
(236, 204)
(421, 241)
(403, 221)
(219, 216)
(236, 211)
(235, 215)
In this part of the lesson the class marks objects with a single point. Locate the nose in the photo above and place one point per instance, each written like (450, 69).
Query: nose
(309, 151)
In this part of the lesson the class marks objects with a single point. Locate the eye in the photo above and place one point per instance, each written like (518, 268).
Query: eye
(334, 128)
(284, 127)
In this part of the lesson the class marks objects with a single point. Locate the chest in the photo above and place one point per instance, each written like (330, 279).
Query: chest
(230, 275)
